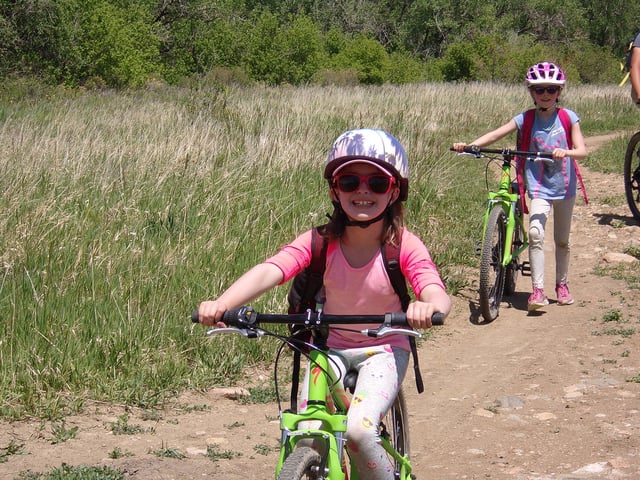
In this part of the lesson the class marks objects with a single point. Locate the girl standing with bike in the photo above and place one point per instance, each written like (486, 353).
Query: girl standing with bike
(549, 184)
(367, 171)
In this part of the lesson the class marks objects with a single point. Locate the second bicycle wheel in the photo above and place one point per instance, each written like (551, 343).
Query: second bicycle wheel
(632, 175)
(395, 426)
(492, 273)
(511, 272)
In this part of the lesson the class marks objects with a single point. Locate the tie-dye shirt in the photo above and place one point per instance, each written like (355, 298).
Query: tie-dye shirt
(551, 180)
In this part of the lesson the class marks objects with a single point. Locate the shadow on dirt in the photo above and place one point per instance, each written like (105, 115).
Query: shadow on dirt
(614, 220)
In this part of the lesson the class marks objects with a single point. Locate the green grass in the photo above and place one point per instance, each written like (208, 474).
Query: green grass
(120, 212)
(82, 472)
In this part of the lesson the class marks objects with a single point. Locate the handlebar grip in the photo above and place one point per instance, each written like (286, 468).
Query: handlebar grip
(437, 318)
(230, 317)
(400, 318)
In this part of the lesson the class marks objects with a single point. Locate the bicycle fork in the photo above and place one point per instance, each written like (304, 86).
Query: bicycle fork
(329, 439)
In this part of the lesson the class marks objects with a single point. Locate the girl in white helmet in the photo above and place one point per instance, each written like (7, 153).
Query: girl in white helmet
(554, 130)
(367, 172)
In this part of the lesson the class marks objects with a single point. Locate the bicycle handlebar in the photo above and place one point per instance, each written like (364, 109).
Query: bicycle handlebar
(247, 317)
(477, 151)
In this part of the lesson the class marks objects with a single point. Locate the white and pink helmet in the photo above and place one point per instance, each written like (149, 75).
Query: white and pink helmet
(545, 73)
(375, 146)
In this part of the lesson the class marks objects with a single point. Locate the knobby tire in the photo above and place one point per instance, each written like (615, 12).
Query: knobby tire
(632, 175)
(303, 463)
(396, 422)
(492, 273)
(511, 272)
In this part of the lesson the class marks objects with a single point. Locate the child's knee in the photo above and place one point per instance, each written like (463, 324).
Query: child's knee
(536, 235)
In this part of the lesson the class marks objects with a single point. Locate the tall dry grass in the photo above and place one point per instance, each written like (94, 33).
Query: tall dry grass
(120, 212)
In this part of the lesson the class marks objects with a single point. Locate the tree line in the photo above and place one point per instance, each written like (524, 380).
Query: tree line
(128, 43)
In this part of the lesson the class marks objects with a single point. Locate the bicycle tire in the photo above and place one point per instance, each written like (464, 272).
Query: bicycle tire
(303, 463)
(511, 272)
(632, 175)
(492, 273)
(396, 424)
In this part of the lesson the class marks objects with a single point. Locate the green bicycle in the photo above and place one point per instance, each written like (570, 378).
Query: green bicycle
(504, 236)
(632, 175)
(320, 453)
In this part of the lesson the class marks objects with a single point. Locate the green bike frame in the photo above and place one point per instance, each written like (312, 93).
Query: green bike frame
(509, 201)
(333, 425)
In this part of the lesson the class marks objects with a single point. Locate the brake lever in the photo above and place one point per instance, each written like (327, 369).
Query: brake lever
(245, 332)
(383, 330)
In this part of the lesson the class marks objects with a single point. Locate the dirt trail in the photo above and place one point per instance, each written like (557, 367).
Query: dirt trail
(525, 397)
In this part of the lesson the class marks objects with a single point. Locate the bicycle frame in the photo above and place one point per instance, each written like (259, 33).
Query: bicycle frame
(334, 425)
(509, 201)
(326, 404)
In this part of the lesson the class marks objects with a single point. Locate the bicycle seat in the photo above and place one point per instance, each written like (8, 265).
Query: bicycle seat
(350, 380)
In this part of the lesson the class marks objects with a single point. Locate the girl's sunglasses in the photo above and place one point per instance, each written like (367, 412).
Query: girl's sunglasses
(377, 182)
(549, 90)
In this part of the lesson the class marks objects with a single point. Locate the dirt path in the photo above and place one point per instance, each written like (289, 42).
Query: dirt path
(530, 397)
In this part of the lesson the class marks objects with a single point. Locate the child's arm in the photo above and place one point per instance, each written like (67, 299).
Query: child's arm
(635, 71)
(252, 284)
(432, 299)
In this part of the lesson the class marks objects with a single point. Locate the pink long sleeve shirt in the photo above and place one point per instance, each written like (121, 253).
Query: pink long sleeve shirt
(365, 290)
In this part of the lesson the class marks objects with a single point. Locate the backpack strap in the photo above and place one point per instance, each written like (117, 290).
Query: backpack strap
(314, 278)
(566, 124)
(391, 259)
(524, 139)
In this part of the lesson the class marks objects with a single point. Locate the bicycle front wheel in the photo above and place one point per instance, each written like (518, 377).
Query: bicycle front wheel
(632, 175)
(303, 463)
(492, 273)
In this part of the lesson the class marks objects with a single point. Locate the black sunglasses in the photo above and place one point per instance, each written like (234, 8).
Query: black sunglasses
(549, 90)
(377, 182)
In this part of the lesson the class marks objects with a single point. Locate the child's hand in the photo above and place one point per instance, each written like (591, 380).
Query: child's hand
(559, 153)
(459, 146)
(210, 312)
(419, 314)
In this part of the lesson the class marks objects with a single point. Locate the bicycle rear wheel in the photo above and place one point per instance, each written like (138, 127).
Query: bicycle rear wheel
(511, 272)
(395, 426)
(303, 463)
(632, 175)
(492, 273)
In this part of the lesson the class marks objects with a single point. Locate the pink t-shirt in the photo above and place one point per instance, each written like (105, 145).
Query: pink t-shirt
(365, 290)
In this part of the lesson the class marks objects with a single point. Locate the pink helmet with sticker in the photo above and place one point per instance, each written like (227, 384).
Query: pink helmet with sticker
(375, 146)
(545, 73)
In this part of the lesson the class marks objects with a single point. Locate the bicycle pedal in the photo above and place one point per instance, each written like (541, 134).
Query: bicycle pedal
(525, 267)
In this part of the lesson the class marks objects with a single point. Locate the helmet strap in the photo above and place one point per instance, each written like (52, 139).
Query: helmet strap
(362, 224)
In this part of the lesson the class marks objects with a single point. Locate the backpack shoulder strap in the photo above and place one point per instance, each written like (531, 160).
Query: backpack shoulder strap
(312, 279)
(391, 258)
(524, 137)
(309, 282)
(524, 140)
(565, 120)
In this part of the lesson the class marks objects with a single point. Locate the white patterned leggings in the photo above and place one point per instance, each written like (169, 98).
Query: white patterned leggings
(539, 211)
(381, 370)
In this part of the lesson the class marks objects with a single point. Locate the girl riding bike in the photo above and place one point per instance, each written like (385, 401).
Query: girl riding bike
(367, 171)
